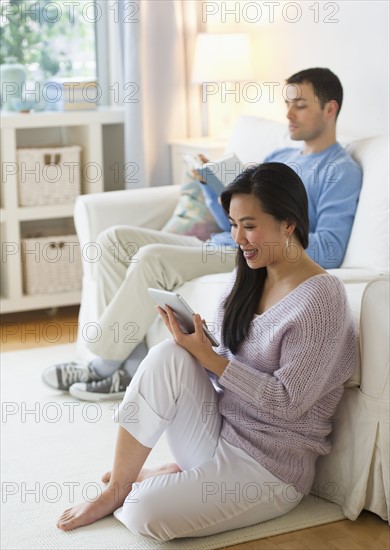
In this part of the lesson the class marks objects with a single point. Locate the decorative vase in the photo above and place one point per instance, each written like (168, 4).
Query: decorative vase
(32, 95)
(12, 78)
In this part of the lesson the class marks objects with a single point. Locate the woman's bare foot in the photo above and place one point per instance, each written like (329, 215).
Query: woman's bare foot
(170, 468)
(108, 501)
(89, 512)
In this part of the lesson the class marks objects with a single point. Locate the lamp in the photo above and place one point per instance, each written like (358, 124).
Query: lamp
(220, 58)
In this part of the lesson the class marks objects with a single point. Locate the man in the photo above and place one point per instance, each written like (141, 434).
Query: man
(163, 260)
(332, 178)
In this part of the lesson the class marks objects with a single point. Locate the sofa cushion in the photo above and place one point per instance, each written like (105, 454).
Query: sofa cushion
(369, 242)
(254, 138)
(191, 216)
(354, 274)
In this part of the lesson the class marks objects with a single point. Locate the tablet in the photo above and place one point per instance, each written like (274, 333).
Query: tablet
(182, 310)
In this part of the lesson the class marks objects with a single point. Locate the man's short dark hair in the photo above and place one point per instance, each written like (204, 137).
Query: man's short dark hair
(326, 84)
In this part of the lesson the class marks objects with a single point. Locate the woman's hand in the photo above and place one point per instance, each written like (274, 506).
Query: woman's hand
(196, 343)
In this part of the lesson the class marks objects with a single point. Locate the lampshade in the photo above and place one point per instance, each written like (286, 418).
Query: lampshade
(222, 57)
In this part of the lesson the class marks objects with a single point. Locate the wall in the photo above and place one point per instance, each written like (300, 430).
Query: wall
(350, 37)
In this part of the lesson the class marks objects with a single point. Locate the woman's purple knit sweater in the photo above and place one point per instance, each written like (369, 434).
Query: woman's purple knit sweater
(281, 390)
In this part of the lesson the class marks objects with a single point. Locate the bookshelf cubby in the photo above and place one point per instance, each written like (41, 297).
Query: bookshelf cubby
(87, 129)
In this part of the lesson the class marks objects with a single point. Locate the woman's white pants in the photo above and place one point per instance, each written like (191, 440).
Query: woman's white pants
(220, 487)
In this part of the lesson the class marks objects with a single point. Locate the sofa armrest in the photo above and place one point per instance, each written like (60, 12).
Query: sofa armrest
(374, 340)
(147, 207)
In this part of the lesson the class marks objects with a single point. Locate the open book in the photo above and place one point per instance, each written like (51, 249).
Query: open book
(217, 174)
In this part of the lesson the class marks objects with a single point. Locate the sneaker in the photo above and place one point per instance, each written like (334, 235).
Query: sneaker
(63, 375)
(113, 387)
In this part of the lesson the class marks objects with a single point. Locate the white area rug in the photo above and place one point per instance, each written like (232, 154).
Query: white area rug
(54, 451)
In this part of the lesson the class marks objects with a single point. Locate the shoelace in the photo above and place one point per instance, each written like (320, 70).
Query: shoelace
(71, 373)
(114, 380)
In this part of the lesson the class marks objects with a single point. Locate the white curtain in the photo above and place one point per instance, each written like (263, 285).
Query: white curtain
(150, 58)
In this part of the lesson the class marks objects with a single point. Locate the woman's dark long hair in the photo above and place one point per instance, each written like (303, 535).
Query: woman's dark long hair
(282, 195)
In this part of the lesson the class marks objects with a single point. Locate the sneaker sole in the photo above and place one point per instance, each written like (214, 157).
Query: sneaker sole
(93, 396)
(52, 386)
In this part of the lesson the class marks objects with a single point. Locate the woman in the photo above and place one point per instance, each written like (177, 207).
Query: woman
(245, 454)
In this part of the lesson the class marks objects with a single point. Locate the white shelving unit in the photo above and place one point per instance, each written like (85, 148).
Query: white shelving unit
(92, 130)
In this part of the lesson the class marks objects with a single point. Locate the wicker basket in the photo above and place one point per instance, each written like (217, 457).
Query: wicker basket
(51, 264)
(48, 175)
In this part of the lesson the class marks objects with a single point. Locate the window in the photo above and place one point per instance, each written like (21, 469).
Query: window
(52, 39)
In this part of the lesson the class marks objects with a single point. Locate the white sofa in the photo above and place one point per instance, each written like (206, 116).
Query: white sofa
(356, 473)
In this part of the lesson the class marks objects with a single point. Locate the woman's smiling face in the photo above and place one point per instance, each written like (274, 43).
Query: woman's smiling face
(259, 235)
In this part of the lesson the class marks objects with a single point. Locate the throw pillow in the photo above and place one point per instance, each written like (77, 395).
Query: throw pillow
(191, 215)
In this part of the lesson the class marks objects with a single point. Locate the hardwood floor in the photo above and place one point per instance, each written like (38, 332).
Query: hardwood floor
(33, 329)
(42, 328)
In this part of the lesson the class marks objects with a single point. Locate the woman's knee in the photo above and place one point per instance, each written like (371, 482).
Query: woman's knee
(168, 365)
(141, 512)
(169, 356)
(167, 349)
(165, 358)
